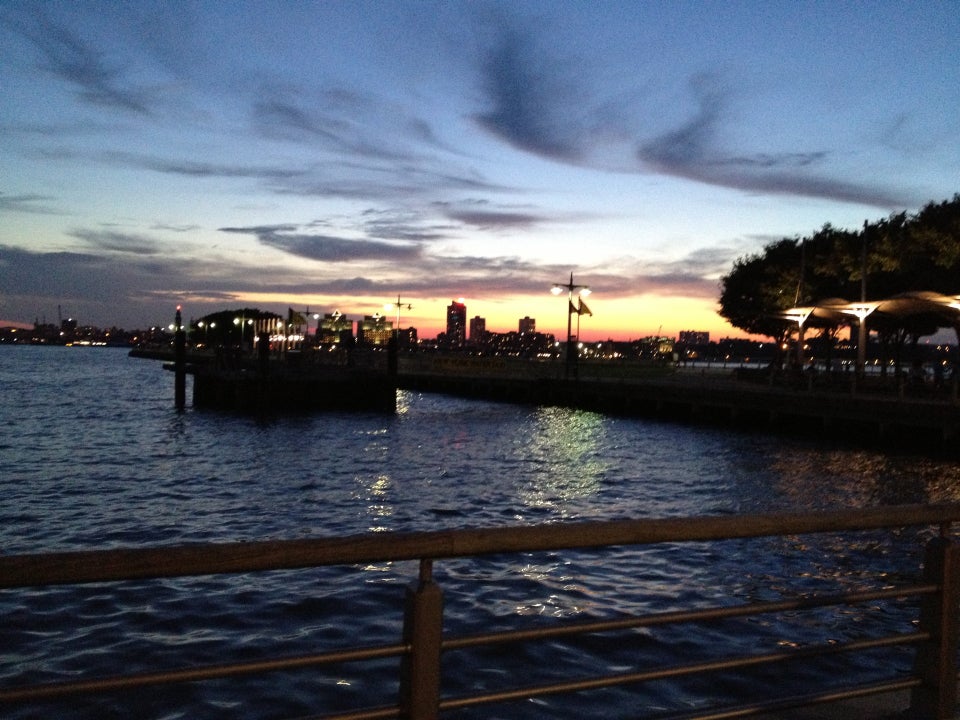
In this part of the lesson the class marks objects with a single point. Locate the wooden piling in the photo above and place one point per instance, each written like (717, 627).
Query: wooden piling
(179, 363)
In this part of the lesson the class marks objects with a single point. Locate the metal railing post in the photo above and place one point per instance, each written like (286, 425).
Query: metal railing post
(936, 663)
(422, 630)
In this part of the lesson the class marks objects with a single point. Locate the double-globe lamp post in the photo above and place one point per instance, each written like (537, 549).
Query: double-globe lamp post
(570, 287)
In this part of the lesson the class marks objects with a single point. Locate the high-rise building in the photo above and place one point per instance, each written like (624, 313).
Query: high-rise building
(527, 325)
(478, 330)
(456, 324)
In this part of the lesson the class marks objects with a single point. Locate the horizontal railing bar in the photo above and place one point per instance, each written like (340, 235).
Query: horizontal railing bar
(798, 701)
(685, 616)
(206, 672)
(732, 663)
(377, 713)
(241, 557)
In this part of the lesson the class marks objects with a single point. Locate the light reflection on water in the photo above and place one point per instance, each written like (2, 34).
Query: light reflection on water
(95, 456)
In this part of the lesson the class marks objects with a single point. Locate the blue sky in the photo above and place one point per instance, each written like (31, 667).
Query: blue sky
(335, 155)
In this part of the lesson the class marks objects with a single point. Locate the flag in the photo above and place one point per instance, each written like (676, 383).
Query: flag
(583, 310)
(295, 318)
(573, 309)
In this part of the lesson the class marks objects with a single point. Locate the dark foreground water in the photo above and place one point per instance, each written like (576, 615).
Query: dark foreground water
(93, 455)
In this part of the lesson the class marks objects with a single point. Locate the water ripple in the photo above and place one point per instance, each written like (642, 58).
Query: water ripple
(95, 456)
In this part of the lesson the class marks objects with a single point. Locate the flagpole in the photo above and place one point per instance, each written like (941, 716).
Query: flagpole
(571, 308)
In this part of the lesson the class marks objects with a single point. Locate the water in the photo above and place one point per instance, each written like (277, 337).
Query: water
(93, 455)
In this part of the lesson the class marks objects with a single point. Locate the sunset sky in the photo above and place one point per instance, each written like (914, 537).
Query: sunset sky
(335, 155)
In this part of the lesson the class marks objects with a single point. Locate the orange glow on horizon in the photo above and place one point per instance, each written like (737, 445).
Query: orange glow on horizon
(622, 319)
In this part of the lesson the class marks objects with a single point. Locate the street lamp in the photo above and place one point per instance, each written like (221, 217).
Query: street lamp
(242, 322)
(582, 290)
(861, 310)
(206, 329)
(799, 315)
(399, 306)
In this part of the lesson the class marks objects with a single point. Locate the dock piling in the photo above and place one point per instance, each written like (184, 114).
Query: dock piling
(179, 363)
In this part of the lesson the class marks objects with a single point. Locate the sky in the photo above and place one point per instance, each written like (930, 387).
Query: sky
(341, 155)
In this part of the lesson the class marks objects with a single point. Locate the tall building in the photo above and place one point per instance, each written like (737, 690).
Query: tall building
(374, 330)
(478, 330)
(527, 325)
(456, 324)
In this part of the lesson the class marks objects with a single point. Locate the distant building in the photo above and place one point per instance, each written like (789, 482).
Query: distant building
(456, 335)
(693, 337)
(68, 329)
(407, 338)
(478, 330)
(335, 328)
(531, 344)
(527, 325)
(374, 330)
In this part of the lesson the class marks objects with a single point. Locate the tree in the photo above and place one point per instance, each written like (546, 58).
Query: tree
(760, 287)
(900, 253)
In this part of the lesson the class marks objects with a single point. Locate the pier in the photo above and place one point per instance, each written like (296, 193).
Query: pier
(873, 410)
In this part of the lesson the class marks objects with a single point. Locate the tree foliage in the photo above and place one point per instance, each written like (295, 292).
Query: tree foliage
(902, 253)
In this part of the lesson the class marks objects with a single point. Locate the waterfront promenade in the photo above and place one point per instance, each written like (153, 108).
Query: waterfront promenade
(876, 409)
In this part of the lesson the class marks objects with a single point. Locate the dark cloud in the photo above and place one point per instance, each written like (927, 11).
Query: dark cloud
(491, 219)
(531, 104)
(175, 228)
(67, 56)
(30, 203)
(486, 215)
(327, 248)
(73, 276)
(128, 289)
(535, 106)
(694, 152)
(406, 226)
(110, 241)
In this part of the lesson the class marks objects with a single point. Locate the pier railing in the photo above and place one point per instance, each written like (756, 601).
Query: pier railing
(420, 652)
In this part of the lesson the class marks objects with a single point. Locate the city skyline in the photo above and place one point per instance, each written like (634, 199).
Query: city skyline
(340, 155)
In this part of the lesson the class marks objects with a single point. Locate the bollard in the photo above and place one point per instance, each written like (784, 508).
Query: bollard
(422, 631)
(936, 662)
(179, 363)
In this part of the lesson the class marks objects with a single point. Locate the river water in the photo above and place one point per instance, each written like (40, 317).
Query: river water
(93, 455)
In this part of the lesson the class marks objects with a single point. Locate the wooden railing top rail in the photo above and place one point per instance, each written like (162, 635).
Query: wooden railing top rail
(60, 568)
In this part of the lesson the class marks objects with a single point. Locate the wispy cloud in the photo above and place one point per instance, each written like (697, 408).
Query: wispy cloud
(281, 118)
(535, 106)
(175, 228)
(485, 215)
(405, 225)
(694, 151)
(69, 57)
(31, 203)
(344, 122)
(112, 241)
(328, 248)
(195, 169)
(531, 103)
